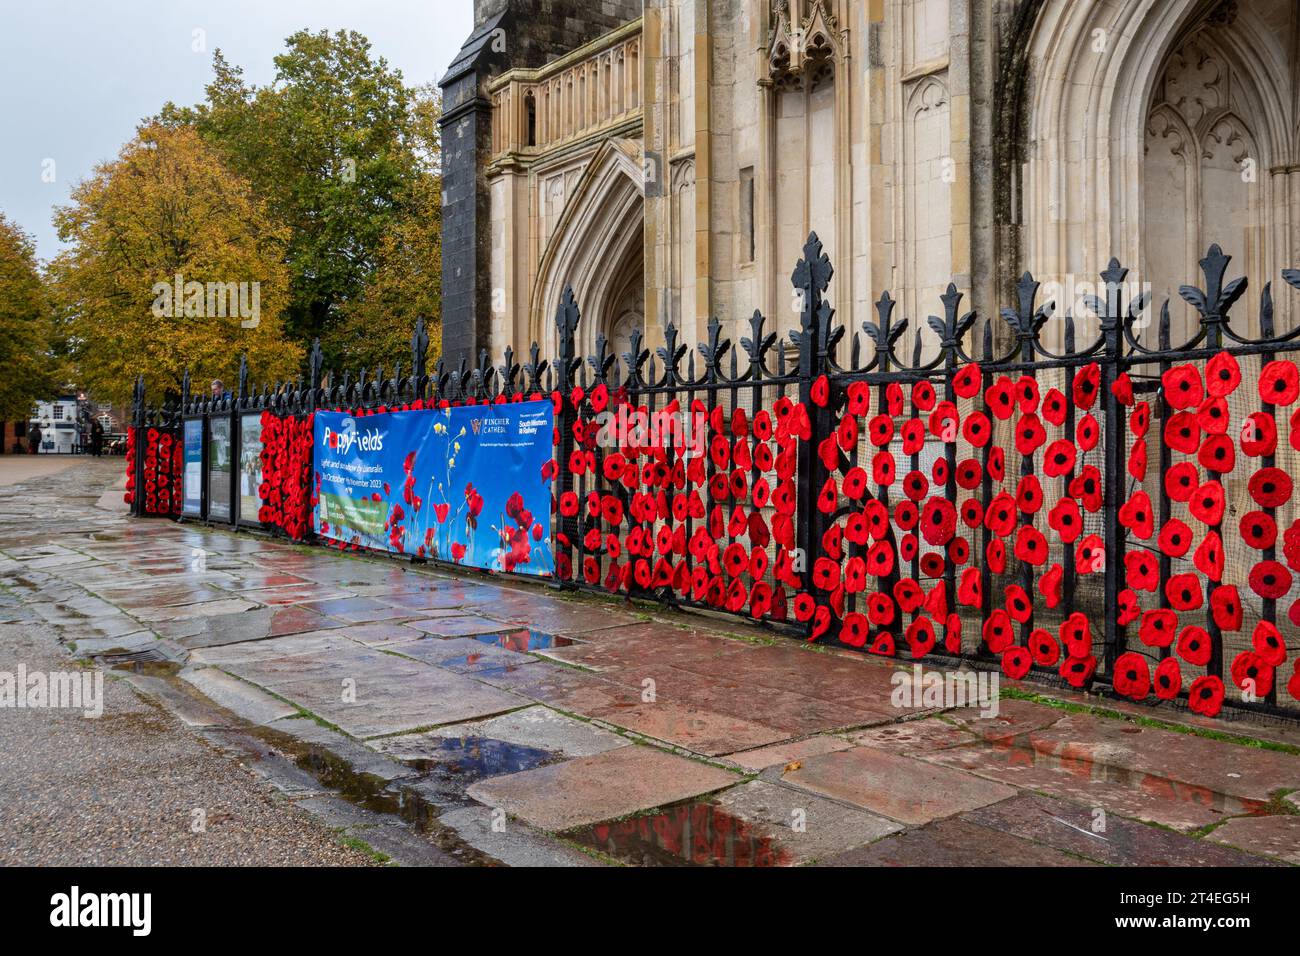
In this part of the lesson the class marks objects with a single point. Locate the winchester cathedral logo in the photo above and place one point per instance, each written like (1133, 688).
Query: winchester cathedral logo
(476, 425)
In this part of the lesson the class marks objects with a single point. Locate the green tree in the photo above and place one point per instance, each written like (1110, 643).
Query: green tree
(337, 147)
(31, 370)
(166, 208)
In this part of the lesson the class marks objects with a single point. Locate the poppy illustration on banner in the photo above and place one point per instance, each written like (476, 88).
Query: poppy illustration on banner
(465, 484)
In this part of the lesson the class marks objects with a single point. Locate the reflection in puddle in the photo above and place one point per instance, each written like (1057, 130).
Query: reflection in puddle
(1081, 761)
(688, 834)
(524, 640)
(468, 759)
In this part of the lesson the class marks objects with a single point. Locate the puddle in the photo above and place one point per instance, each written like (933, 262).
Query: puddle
(467, 759)
(148, 668)
(695, 833)
(524, 641)
(1080, 762)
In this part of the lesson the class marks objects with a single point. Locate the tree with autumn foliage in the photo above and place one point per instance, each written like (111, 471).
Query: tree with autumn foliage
(346, 156)
(31, 369)
(168, 207)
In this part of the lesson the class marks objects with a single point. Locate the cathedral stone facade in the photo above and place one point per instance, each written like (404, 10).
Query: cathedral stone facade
(667, 158)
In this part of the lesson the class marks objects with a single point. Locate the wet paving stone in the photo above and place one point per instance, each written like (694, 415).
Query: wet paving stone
(955, 842)
(358, 610)
(537, 727)
(1104, 837)
(692, 728)
(913, 736)
(1275, 837)
(1081, 779)
(695, 833)
(464, 655)
(1250, 773)
(782, 754)
(380, 634)
(460, 626)
(253, 625)
(605, 786)
(901, 788)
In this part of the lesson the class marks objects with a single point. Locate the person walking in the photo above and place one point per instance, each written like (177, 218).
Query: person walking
(96, 438)
(34, 438)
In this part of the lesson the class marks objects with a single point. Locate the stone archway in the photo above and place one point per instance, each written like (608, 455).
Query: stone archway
(597, 248)
(1098, 73)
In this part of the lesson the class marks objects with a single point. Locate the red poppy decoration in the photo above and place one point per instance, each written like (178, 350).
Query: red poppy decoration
(1270, 579)
(1066, 520)
(1258, 529)
(1076, 635)
(820, 392)
(997, 464)
(1194, 645)
(1209, 557)
(920, 637)
(966, 383)
(1184, 592)
(1018, 604)
(1259, 435)
(998, 632)
(977, 429)
(972, 513)
(1182, 386)
(1279, 383)
(908, 594)
(1218, 454)
(1168, 679)
(1029, 494)
(1054, 407)
(1270, 487)
(1225, 607)
(1135, 514)
(1078, 671)
(1087, 383)
(923, 396)
(1140, 420)
(1212, 416)
(1031, 546)
(1207, 504)
(1181, 481)
(1132, 678)
(1030, 434)
(1175, 538)
(1183, 432)
(1252, 673)
(1129, 608)
(1222, 375)
(1000, 398)
(1049, 585)
(1137, 460)
(1268, 644)
(1158, 627)
(1027, 393)
(970, 590)
(1122, 389)
(1043, 647)
(1087, 432)
(1205, 696)
(1059, 458)
(1016, 662)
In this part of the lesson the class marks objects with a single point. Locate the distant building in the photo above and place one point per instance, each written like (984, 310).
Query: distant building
(60, 421)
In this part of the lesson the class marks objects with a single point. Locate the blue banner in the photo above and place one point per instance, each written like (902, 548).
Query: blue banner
(460, 484)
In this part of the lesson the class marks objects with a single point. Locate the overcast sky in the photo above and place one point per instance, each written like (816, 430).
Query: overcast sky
(76, 76)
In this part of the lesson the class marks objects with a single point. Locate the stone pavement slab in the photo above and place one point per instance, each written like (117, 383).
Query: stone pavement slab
(1250, 773)
(1081, 779)
(1107, 838)
(516, 845)
(954, 842)
(913, 736)
(237, 696)
(782, 754)
(1276, 837)
(380, 634)
(903, 789)
(692, 728)
(459, 626)
(805, 826)
(538, 727)
(605, 786)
